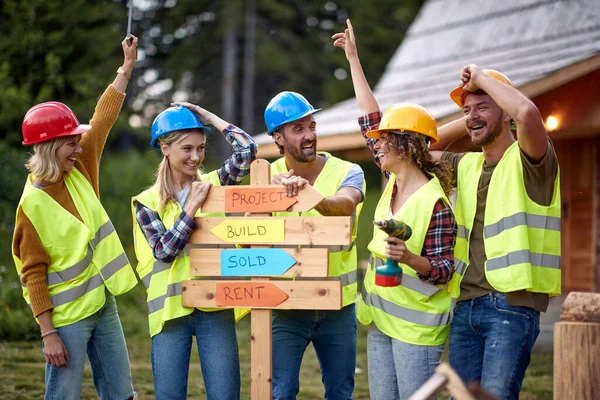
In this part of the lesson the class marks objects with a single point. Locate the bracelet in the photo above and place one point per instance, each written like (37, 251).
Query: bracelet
(50, 332)
(122, 71)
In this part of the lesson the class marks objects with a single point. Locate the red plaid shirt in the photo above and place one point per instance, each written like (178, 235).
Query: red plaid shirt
(441, 234)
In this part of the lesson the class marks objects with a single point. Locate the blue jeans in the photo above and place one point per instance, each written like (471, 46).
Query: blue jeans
(100, 336)
(217, 349)
(333, 334)
(491, 342)
(398, 369)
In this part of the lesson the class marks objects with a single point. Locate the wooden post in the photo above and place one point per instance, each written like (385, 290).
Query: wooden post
(261, 367)
(577, 348)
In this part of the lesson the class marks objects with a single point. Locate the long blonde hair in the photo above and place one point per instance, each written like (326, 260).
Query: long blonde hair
(167, 190)
(43, 163)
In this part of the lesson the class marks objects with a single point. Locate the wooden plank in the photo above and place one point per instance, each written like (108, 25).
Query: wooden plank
(302, 295)
(309, 262)
(322, 231)
(218, 199)
(576, 361)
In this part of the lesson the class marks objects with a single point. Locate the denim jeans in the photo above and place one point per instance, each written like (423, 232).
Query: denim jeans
(100, 336)
(491, 342)
(333, 335)
(217, 349)
(397, 369)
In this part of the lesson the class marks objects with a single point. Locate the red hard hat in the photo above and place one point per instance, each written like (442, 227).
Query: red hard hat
(47, 121)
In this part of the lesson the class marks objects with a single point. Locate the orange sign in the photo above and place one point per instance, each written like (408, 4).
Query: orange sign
(249, 294)
(257, 200)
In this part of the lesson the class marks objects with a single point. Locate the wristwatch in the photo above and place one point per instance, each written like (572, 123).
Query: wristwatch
(121, 71)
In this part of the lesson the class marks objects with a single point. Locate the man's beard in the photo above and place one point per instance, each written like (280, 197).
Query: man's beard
(493, 131)
(298, 155)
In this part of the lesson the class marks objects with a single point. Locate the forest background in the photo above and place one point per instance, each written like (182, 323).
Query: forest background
(230, 57)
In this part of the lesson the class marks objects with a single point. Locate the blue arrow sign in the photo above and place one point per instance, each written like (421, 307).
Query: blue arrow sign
(255, 262)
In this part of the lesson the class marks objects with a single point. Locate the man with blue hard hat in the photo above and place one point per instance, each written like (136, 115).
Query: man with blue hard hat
(289, 119)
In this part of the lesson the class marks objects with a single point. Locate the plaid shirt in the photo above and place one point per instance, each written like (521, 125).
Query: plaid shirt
(166, 245)
(438, 247)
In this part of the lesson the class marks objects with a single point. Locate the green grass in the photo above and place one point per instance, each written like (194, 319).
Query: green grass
(22, 370)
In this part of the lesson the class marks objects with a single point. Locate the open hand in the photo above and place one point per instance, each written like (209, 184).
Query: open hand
(346, 41)
(204, 116)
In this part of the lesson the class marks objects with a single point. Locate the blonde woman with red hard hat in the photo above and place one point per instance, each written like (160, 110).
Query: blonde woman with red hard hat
(69, 258)
(408, 322)
(508, 209)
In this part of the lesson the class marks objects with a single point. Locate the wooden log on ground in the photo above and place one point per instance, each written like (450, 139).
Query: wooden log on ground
(581, 307)
(576, 360)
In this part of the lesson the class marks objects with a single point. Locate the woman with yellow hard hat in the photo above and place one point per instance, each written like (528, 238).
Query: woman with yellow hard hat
(408, 322)
(71, 270)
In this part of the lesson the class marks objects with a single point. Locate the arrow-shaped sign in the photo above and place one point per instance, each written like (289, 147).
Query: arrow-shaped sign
(257, 200)
(250, 230)
(255, 262)
(217, 200)
(249, 294)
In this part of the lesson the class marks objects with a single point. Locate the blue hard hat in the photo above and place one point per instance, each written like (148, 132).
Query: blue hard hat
(174, 119)
(286, 107)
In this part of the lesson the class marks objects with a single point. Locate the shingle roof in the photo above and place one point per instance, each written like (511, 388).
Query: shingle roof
(525, 39)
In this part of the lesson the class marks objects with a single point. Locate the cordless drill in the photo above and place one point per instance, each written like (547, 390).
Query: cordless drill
(390, 274)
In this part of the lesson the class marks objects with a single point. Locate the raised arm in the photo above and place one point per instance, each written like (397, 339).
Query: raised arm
(532, 135)
(364, 95)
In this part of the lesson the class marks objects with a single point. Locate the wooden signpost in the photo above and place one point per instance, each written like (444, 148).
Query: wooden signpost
(260, 262)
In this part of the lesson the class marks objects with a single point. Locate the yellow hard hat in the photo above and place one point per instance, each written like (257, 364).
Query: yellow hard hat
(457, 94)
(406, 117)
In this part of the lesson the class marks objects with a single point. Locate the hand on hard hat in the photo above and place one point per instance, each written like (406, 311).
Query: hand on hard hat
(346, 41)
(204, 116)
(468, 76)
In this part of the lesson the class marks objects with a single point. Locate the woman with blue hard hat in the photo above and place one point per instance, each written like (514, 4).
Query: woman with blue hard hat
(163, 221)
(67, 253)
(409, 317)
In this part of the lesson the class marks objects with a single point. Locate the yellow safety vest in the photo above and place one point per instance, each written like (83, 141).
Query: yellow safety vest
(521, 237)
(162, 280)
(342, 260)
(85, 257)
(415, 312)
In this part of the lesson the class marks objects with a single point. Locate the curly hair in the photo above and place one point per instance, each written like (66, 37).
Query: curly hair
(412, 145)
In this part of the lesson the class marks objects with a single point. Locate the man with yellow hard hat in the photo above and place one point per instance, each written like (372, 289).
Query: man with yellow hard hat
(507, 254)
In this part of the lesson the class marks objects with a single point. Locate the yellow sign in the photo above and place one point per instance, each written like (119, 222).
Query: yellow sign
(250, 230)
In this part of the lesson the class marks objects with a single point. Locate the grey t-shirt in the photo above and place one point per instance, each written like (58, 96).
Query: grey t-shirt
(539, 183)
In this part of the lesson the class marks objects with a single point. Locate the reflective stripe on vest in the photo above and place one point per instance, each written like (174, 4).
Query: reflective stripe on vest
(463, 232)
(519, 219)
(407, 314)
(523, 256)
(73, 294)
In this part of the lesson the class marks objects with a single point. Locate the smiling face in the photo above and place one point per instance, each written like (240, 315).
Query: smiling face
(67, 154)
(484, 119)
(388, 155)
(185, 154)
(299, 139)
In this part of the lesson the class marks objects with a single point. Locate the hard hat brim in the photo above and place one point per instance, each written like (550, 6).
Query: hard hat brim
(456, 96)
(154, 142)
(81, 129)
(306, 114)
(376, 134)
